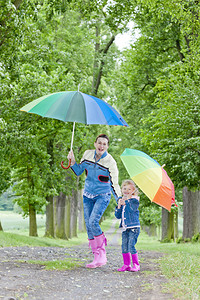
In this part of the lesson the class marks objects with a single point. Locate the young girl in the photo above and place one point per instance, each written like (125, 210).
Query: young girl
(127, 211)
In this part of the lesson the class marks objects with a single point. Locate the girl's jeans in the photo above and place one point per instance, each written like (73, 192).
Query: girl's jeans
(129, 240)
(93, 211)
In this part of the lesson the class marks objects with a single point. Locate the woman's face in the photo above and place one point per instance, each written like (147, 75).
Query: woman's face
(101, 145)
(127, 191)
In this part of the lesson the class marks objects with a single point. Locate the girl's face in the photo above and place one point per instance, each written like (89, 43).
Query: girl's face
(101, 145)
(128, 190)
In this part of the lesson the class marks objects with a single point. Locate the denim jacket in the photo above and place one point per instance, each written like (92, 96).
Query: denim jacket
(101, 176)
(130, 212)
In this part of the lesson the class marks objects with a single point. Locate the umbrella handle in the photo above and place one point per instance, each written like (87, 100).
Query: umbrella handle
(62, 162)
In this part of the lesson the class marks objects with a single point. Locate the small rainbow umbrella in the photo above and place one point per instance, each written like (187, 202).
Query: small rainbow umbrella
(150, 177)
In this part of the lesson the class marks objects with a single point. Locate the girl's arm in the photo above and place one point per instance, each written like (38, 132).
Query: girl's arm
(132, 204)
(118, 212)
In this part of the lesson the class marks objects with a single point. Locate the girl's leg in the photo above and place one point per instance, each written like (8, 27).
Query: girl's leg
(133, 236)
(125, 239)
(132, 239)
(125, 253)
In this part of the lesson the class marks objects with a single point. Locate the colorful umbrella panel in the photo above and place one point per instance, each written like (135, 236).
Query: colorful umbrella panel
(150, 177)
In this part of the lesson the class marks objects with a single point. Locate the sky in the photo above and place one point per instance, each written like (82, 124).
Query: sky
(124, 40)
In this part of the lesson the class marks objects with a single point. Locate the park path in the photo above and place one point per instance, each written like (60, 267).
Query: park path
(20, 280)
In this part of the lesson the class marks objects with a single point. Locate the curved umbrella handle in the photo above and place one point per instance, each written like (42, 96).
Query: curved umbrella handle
(62, 162)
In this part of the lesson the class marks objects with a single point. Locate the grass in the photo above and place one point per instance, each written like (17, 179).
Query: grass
(18, 236)
(181, 265)
(151, 243)
(66, 264)
(183, 272)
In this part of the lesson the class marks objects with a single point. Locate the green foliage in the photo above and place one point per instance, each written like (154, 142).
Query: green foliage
(50, 46)
(6, 200)
(53, 51)
(196, 238)
(111, 207)
(176, 140)
(150, 214)
(61, 265)
(157, 90)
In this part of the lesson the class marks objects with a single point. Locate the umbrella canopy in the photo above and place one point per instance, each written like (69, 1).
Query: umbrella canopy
(150, 177)
(74, 106)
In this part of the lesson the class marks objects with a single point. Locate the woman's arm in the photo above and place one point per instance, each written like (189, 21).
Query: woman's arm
(115, 188)
(78, 169)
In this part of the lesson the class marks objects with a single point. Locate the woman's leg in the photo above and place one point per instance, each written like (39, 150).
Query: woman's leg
(100, 205)
(88, 205)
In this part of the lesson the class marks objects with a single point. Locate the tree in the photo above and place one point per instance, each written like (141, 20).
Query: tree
(169, 225)
(191, 210)
(174, 121)
(158, 82)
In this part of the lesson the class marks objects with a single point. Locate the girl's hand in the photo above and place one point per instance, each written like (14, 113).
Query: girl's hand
(121, 202)
(124, 198)
(71, 156)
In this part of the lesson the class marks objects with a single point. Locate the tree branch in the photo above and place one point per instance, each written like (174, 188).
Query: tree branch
(100, 73)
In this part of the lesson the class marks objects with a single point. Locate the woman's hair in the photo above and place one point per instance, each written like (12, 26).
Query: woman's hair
(104, 136)
(131, 182)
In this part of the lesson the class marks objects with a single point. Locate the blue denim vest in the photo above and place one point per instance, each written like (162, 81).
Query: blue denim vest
(131, 213)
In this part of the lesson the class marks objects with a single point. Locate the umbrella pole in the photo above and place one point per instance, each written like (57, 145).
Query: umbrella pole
(72, 136)
(72, 140)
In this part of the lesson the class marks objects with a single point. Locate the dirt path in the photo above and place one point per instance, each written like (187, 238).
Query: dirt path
(20, 280)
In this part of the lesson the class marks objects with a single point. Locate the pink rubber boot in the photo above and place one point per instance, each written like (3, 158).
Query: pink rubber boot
(101, 243)
(136, 265)
(127, 262)
(93, 245)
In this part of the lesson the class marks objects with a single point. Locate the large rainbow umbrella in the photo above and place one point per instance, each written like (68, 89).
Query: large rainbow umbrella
(74, 106)
(150, 177)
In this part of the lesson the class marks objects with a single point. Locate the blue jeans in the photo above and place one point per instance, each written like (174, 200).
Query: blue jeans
(129, 240)
(93, 211)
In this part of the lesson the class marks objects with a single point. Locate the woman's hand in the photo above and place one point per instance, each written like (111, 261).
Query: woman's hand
(71, 156)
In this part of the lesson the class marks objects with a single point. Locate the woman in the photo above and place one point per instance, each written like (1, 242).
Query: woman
(101, 179)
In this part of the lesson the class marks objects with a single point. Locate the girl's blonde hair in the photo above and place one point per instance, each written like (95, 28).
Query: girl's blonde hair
(131, 182)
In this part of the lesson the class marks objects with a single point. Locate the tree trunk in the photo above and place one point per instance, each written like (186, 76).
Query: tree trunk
(191, 213)
(67, 217)
(1, 228)
(32, 221)
(169, 225)
(74, 213)
(96, 58)
(152, 230)
(49, 232)
(99, 59)
(60, 216)
(81, 221)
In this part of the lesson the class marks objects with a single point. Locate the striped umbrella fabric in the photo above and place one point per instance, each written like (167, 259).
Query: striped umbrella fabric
(74, 106)
(150, 177)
